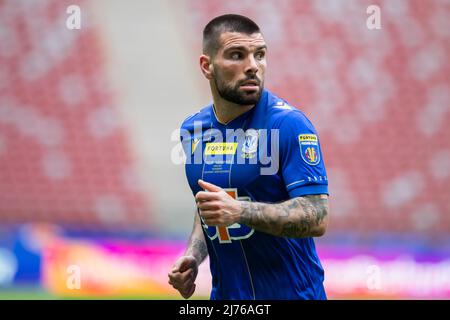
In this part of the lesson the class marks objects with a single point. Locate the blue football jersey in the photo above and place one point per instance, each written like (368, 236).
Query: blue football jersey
(269, 154)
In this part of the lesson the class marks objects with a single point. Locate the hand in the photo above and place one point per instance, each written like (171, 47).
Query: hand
(216, 207)
(183, 275)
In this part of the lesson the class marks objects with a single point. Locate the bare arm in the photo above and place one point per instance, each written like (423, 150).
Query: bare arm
(197, 245)
(299, 217)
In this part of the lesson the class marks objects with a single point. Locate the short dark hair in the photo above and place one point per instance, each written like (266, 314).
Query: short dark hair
(225, 23)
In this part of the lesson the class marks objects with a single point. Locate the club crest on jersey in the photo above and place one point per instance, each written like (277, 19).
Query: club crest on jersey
(250, 145)
(309, 148)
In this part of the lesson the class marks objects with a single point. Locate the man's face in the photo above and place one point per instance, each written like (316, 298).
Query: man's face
(239, 67)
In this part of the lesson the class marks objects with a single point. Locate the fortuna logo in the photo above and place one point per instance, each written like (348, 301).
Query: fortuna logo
(233, 232)
(250, 145)
(220, 148)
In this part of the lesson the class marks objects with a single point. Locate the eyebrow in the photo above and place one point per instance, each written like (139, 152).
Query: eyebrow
(242, 48)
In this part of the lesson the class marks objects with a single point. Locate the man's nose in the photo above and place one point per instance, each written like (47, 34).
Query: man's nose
(251, 66)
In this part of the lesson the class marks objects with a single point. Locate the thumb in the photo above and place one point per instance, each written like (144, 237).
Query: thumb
(208, 186)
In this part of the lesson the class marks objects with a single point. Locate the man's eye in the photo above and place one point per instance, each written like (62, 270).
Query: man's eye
(259, 55)
(235, 55)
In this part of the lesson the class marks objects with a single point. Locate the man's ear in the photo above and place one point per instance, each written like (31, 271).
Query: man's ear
(206, 66)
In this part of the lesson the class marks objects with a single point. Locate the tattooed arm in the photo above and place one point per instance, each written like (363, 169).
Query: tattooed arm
(305, 216)
(185, 269)
(299, 217)
(197, 245)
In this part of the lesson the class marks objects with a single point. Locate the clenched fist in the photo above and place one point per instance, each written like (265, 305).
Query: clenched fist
(216, 206)
(183, 274)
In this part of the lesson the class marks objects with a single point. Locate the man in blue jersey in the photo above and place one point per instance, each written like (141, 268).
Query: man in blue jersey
(255, 167)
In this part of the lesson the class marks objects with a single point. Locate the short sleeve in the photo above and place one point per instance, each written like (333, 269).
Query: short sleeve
(301, 159)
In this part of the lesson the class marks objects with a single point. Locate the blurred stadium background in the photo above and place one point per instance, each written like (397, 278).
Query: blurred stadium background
(91, 203)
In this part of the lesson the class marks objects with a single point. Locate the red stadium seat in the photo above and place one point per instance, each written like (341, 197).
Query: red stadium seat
(64, 154)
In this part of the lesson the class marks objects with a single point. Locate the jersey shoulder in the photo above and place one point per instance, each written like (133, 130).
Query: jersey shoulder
(200, 116)
(280, 113)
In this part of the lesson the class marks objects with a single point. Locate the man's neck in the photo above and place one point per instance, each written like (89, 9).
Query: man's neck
(226, 111)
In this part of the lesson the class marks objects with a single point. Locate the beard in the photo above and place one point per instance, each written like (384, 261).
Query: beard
(235, 95)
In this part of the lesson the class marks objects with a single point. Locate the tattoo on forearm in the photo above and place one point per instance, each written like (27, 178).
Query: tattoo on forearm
(298, 217)
(198, 249)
